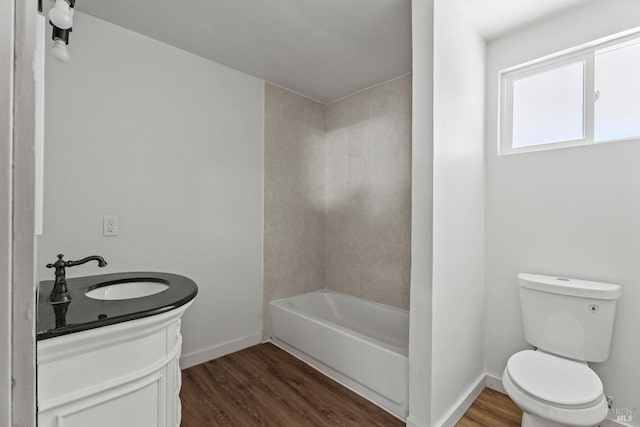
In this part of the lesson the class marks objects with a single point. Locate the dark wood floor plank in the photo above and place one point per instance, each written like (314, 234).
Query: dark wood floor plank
(265, 386)
(492, 409)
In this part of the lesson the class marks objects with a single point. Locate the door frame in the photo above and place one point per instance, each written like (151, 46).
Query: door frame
(17, 240)
(6, 138)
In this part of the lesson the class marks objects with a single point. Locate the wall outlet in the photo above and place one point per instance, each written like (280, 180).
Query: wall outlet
(109, 225)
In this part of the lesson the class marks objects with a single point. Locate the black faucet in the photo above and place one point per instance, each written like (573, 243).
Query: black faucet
(60, 293)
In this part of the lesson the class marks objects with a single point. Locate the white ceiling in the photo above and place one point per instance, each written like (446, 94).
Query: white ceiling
(324, 49)
(495, 18)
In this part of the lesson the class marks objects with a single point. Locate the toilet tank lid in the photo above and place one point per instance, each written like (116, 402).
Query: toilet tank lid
(571, 287)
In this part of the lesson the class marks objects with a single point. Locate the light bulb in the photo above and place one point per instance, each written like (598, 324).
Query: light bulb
(61, 15)
(60, 51)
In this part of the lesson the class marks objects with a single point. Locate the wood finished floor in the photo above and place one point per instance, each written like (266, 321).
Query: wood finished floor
(492, 409)
(265, 386)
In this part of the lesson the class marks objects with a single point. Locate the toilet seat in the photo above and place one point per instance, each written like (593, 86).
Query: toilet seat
(558, 381)
(541, 404)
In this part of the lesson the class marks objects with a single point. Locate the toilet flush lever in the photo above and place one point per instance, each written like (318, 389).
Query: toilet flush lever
(593, 308)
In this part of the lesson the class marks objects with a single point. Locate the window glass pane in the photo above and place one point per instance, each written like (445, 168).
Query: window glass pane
(617, 112)
(549, 106)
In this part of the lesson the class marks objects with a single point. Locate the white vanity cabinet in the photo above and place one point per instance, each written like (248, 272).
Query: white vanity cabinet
(121, 375)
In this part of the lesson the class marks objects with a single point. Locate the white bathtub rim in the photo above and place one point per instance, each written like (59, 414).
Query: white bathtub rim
(341, 329)
(388, 348)
(331, 291)
(342, 379)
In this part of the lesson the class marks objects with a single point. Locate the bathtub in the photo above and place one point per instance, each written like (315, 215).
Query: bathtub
(361, 344)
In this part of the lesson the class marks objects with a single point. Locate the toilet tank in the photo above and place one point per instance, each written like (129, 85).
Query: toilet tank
(568, 317)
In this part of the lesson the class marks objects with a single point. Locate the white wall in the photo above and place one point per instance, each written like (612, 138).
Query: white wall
(173, 144)
(421, 215)
(573, 212)
(458, 211)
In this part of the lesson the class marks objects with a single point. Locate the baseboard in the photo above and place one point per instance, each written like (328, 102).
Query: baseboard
(459, 409)
(465, 402)
(457, 412)
(200, 356)
(495, 383)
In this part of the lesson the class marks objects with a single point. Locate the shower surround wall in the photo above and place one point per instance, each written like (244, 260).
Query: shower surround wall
(368, 194)
(294, 223)
(337, 206)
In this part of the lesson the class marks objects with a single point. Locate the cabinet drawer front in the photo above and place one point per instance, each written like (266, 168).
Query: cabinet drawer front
(82, 374)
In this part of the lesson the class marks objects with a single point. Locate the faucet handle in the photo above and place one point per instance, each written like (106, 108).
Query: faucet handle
(57, 263)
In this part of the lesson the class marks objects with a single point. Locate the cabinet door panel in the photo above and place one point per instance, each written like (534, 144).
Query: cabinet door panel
(138, 408)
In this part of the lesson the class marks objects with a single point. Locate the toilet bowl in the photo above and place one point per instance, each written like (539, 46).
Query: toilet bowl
(570, 322)
(553, 391)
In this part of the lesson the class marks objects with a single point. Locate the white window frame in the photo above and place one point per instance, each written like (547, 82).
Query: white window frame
(584, 53)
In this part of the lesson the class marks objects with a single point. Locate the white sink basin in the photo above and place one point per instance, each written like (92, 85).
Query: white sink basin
(126, 290)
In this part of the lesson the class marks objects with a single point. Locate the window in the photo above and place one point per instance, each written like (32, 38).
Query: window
(617, 83)
(588, 95)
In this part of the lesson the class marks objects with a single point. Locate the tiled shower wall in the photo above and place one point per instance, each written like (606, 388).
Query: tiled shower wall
(368, 194)
(337, 208)
(294, 222)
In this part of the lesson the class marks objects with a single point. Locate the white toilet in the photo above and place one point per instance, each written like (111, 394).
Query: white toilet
(570, 322)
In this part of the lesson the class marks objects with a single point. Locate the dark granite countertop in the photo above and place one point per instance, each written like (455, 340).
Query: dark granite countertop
(84, 313)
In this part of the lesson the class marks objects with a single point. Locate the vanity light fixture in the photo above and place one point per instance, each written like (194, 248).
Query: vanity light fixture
(60, 41)
(61, 15)
(61, 19)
